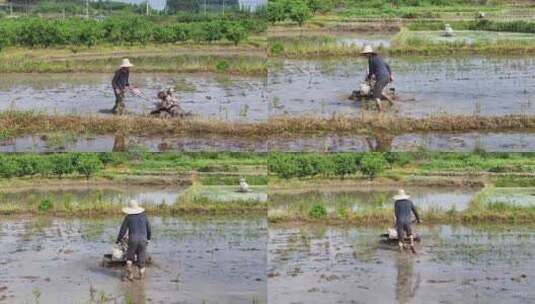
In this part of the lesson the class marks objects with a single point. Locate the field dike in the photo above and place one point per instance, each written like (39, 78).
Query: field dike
(15, 123)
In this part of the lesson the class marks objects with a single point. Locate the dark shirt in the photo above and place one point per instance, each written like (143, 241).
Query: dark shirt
(403, 209)
(120, 79)
(378, 67)
(138, 228)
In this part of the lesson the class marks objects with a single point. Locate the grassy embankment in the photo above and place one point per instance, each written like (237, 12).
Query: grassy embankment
(491, 172)
(198, 170)
(507, 28)
(20, 123)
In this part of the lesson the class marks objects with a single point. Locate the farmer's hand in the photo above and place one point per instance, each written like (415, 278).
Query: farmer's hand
(391, 78)
(118, 91)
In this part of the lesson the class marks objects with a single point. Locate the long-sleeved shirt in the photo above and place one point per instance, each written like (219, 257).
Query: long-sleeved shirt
(403, 209)
(120, 79)
(378, 67)
(138, 228)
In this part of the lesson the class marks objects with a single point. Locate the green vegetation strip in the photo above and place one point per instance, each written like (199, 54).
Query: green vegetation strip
(17, 61)
(18, 123)
(308, 170)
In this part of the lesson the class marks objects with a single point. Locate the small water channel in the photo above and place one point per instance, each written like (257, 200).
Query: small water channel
(206, 95)
(203, 260)
(425, 85)
(454, 264)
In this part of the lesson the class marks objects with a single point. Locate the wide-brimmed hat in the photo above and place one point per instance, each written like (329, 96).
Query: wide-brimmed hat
(401, 195)
(367, 50)
(126, 63)
(133, 208)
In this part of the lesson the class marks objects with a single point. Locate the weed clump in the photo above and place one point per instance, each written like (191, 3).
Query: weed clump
(317, 211)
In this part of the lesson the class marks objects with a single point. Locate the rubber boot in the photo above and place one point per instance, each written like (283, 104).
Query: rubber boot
(129, 271)
(141, 273)
(412, 244)
(379, 105)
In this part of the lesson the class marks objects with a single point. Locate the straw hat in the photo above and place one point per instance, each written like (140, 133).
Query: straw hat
(401, 195)
(367, 50)
(126, 63)
(133, 208)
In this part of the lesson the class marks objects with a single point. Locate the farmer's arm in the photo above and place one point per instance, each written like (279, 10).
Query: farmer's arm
(127, 84)
(122, 231)
(114, 82)
(389, 72)
(415, 212)
(149, 233)
(370, 66)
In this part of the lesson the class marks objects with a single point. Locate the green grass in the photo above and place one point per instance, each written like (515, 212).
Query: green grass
(145, 59)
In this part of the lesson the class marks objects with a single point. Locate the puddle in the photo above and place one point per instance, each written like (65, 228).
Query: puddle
(211, 260)
(108, 143)
(358, 199)
(455, 264)
(459, 142)
(426, 86)
(116, 194)
(347, 39)
(207, 95)
(522, 197)
(230, 193)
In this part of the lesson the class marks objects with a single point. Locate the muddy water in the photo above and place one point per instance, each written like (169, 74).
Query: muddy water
(116, 194)
(459, 142)
(346, 39)
(230, 194)
(46, 260)
(455, 264)
(207, 95)
(492, 142)
(425, 85)
(108, 143)
(436, 198)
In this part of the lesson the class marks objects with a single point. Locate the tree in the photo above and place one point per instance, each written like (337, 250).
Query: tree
(62, 164)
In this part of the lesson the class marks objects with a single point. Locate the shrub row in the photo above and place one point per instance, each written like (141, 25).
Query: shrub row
(295, 10)
(36, 31)
(289, 165)
(47, 165)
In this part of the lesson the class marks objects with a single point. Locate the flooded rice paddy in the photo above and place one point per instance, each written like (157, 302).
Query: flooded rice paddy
(426, 86)
(363, 198)
(454, 264)
(119, 143)
(206, 95)
(343, 39)
(211, 260)
(109, 194)
(458, 142)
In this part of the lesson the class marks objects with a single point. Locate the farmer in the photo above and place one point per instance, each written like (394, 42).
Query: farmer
(379, 71)
(403, 209)
(119, 84)
(137, 224)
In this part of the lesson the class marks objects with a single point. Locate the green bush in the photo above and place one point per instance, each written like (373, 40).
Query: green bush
(346, 163)
(317, 211)
(236, 33)
(88, 164)
(276, 11)
(8, 167)
(124, 29)
(62, 164)
(45, 205)
(373, 164)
